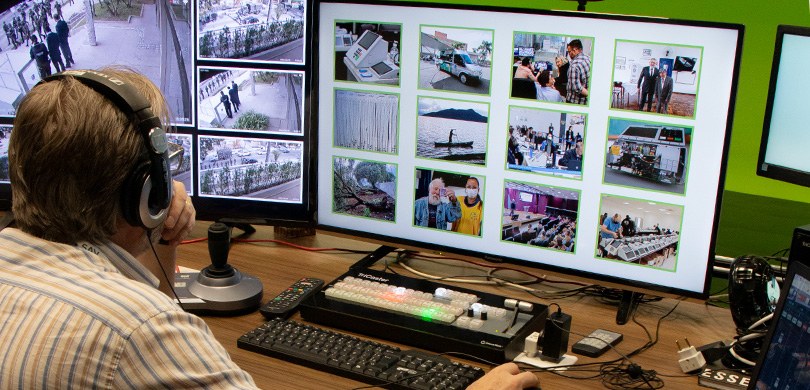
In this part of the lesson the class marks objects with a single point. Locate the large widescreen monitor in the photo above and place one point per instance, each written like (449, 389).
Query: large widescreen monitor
(236, 77)
(783, 135)
(527, 136)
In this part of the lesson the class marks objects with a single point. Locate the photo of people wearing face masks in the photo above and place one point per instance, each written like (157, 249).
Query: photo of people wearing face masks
(472, 209)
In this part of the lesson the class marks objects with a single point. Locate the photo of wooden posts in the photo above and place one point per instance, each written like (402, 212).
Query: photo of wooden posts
(366, 120)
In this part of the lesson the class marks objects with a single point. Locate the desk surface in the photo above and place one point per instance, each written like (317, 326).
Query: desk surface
(279, 266)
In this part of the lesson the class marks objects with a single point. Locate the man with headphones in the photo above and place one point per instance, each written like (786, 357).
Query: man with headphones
(98, 223)
(98, 220)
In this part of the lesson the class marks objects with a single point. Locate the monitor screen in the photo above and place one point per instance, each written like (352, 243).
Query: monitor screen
(237, 90)
(789, 89)
(367, 39)
(448, 160)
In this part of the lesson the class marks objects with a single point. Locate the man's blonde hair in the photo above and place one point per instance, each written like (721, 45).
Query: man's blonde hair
(70, 151)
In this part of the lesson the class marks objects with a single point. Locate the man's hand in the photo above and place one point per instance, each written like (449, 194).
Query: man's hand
(507, 376)
(451, 195)
(181, 216)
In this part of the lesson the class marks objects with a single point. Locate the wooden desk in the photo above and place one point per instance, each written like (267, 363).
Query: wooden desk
(279, 266)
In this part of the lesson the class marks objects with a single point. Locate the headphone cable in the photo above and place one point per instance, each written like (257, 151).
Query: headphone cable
(162, 270)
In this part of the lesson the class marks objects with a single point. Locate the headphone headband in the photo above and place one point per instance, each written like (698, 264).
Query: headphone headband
(150, 184)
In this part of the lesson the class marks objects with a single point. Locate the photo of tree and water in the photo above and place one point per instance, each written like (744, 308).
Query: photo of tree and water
(364, 188)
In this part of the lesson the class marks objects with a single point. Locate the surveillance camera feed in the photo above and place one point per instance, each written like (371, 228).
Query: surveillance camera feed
(584, 156)
(234, 75)
(153, 38)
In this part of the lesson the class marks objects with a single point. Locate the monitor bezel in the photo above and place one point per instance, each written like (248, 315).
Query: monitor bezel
(607, 280)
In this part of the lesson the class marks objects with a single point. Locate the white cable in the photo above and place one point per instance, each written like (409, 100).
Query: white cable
(497, 281)
(760, 321)
(740, 358)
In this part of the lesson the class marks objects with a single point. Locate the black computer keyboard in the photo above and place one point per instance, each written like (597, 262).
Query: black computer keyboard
(352, 357)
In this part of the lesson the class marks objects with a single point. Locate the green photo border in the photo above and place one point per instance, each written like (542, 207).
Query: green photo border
(564, 102)
(401, 45)
(482, 181)
(396, 190)
(399, 119)
(419, 60)
(697, 85)
(576, 230)
(630, 263)
(486, 135)
(687, 168)
(561, 175)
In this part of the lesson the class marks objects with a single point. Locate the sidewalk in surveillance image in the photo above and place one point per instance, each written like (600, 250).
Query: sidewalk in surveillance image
(134, 42)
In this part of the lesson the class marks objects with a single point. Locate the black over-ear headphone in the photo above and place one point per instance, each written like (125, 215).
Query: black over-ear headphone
(147, 190)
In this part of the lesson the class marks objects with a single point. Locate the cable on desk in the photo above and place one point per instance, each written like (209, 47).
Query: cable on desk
(280, 242)
(619, 373)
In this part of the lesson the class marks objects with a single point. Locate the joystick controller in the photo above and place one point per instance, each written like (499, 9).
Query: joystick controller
(220, 288)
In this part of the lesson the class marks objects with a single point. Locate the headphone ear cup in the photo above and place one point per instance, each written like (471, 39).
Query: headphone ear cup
(135, 195)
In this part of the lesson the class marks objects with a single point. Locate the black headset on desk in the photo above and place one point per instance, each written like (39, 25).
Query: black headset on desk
(147, 190)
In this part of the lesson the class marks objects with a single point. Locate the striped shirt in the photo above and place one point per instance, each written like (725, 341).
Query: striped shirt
(90, 317)
(579, 73)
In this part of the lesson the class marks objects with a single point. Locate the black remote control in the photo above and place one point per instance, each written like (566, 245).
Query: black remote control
(285, 303)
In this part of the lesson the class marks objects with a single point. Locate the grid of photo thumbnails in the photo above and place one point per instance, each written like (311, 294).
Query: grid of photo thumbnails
(546, 133)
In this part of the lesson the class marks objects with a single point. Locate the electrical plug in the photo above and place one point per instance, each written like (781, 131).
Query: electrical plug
(689, 358)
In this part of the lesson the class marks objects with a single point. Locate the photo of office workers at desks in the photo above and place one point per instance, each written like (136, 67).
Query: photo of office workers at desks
(449, 201)
(541, 216)
(546, 142)
(647, 155)
(639, 231)
(455, 59)
(364, 188)
(367, 52)
(656, 77)
(551, 68)
(366, 120)
(452, 130)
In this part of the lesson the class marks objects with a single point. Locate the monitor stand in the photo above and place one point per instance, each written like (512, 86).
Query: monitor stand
(627, 306)
(372, 257)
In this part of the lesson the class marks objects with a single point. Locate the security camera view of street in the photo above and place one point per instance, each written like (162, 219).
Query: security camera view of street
(366, 120)
(547, 142)
(452, 130)
(5, 133)
(455, 59)
(542, 64)
(367, 52)
(251, 100)
(639, 232)
(364, 188)
(647, 155)
(250, 31)
(540, 216)
(181, 170)
(46, 37)
(253, 168)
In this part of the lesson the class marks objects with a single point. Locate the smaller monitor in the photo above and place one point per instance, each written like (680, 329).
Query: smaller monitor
(784, 136)
(783, 360)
